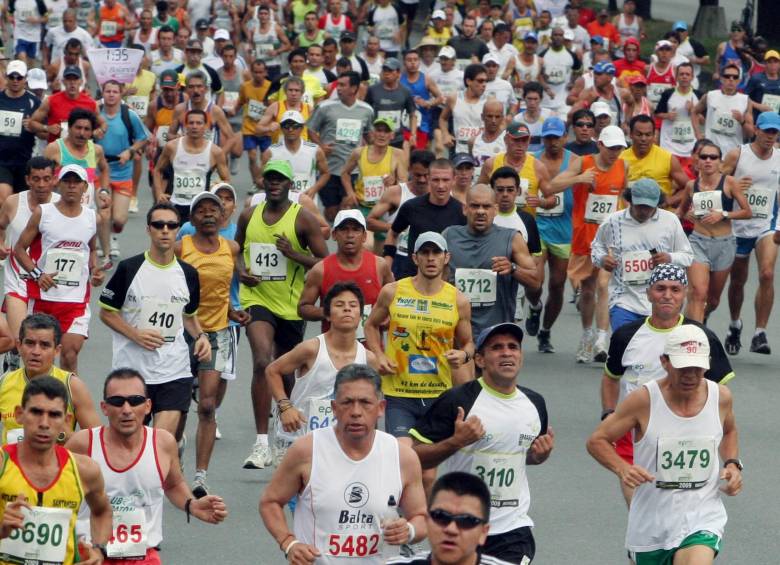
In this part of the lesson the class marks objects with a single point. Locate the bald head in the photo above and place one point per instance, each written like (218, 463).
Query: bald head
(479, 191)
(491, 106)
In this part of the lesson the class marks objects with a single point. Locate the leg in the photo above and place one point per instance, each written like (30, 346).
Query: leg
(104, 230)
(261, 341)
(766, 256)
(119, 208)
(555, 288)
(739, 274)
(138, 165)
(254, 166)
(694, 555)
(715, 290)
(16, 312)
(588, 300)
(698, 284)
(168, 420)
(71, 346)
(208, 393)
(602, 300)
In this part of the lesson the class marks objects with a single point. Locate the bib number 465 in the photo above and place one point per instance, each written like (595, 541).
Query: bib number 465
(125, 533)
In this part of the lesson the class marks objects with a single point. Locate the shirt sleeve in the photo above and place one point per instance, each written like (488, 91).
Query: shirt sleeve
(698, 48)
(438, 422)
(114, 293)
(139, 129)
(541, 407)
(663, 102)
(401, 221)
(193, 285)
(681, 253)
(534, 241)
(617, 347)
(598, 248)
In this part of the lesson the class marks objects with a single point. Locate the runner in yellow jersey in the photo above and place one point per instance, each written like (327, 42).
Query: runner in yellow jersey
(38, 345)
(42, 486)
(279, 242)
(251, 97)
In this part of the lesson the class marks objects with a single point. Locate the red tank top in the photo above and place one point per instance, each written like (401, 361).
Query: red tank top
(667, 77)
(608, 183)
(366, 277)
(60, 106)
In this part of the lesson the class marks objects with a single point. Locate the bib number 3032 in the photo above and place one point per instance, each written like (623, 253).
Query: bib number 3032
(42, 539)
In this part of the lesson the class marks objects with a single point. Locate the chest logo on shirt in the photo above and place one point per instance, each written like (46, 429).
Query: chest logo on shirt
(356, 495)
(68, 245)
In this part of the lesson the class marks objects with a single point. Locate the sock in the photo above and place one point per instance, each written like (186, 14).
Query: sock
(602, 334)
(535, 307)
(545, 330)
(759, 331)
(261, 439)
(736, 324)
(200, 473)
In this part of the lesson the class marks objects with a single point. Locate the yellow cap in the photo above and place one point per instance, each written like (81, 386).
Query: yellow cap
(771, 54)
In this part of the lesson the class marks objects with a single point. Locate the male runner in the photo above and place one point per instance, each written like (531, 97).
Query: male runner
(465, 109)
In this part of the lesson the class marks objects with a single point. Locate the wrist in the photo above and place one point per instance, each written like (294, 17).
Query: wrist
(202, 334)
(412, 532)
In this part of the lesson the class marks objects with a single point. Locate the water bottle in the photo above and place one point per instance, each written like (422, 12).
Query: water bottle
(390, 514)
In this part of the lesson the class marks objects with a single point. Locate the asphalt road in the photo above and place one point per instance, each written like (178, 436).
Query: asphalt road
(579, 513)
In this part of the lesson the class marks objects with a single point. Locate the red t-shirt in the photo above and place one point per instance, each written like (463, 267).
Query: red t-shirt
(366, 277)
(608, 31)
(60, 107)
(626, 69)
(587, 15)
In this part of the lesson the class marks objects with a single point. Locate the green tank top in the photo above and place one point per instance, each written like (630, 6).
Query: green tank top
(303, 42)
(89, 162)
(282, 278)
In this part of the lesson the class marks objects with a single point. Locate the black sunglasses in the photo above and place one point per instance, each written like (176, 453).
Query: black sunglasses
(159, 225)
(15, 77)
(584, 124)
(732, 77)
(119, 401)
(463, 521)
(291, 125)
(708, 157)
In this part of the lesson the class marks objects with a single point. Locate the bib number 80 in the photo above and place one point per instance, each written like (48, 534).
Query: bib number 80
(669, 459)
(353, 545)
(42, 535)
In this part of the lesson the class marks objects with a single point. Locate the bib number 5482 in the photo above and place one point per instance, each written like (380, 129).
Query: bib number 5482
(353, 545)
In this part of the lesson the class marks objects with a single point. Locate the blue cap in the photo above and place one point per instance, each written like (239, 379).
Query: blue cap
(597, 39)
(680, 24)
(463, 159)
(604, 67)
(645, 192)
(553, 126)
(530, 35)
(504, 328)
(768, 120)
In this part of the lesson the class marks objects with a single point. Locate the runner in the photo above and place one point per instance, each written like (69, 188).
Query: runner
(166, 56)
(67, 253)
(279, 241)
(679, 131)
(391, 99)
(159, 119)
(72, 55)
(583, 122)
(660, 72)
(493, 428)
(39, 475)
(560, 69)
(490, 142)
(466, 111)
(140, 467)
(426, 94)
(336, 468)
(231, 77)
(681, 415)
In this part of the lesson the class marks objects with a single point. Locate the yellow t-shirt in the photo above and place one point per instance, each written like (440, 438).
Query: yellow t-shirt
(440, 37)
(215, 271)
(529, 184)
(144, 83)
(657, 165)
(253, 99)
(370, 185)
(312, 89)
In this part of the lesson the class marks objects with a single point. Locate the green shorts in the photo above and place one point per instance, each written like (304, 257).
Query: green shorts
(666, 556)
(559, 250)
(366, 210)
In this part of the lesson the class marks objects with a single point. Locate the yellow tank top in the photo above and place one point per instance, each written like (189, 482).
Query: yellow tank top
(657, 165)
(528, 181)
(370, 175)
(144, 83)
(215, 271)
(440, 37)
(11, 389)
(282, 108)
(282, 286)
(65, 492)
(422, 329)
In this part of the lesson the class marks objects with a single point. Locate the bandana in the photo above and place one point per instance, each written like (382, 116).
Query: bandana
(668, 272)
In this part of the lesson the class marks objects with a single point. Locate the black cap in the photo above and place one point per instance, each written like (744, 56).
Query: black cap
(463, 159)
(194, 45)
(347, 36)
(503, 328)
(72, 71)
(202, 23)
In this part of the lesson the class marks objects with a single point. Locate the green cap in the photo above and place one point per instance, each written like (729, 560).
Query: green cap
(282, 167)
(386, 120)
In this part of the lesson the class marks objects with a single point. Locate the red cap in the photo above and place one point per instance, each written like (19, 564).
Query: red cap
(631, 40)
(637, 79)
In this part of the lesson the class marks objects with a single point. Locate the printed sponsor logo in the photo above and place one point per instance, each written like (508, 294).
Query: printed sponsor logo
(356, 495)
(419, 364)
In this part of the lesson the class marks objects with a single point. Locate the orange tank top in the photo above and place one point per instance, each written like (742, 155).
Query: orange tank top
(592, 206)
(110, 20)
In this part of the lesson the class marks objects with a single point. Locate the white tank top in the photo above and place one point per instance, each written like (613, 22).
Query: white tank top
(190, 173)
(627, 30)
(402, 243)
(344, 500)
(466, 121)
(483, 150)
(512, 221)
(660, 518)
(148, 43)
(303, 161)
(137, 487)
(721, 127)
(312, 391)
(264, 43)
(528, 72)
(762, 196)
(15, 228)
(65, 249)
(83, 73)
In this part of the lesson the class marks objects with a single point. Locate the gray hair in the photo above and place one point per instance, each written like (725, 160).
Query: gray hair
(357, 372)
(294, 80)
(195, 74)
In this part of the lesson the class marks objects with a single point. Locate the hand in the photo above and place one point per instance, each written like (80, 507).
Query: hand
(5, 252)
(98, 133)
(745, 183)
(13, 517)
(104, 199)
(395, 532)
(54, 129)
(284, 245)
(448, 140)
(689, 107)
(47, 281)
(671, 116)
(349, 201)
(211, 509)
(737, 115)
(713, 217)
(533, 201)
(587, 176)
(95, 557)
(131, 90)
(467, 431)
(302, 554)
(456, 358)
(202, 348)
(240, 317)
(98, 277)
(733, 478)
(149, 339)
(633, 475)
(125, 156)
(542, 446)
(659, 258)
(292, 420)
(248, 279)
(502, 265)
(164, 197)
(26, 124)
(385, 365)
(609, 263)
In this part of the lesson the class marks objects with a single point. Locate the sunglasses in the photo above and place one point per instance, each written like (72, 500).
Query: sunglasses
(159, 225)
(119, 401)
(584, 124)
(15, 77)
(463, 521)
(480, 80)
(708, 157)
(730, 77)
(291, 125)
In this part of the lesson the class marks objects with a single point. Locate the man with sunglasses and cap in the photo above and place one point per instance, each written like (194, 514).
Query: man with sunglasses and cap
(683, 428)
(148, 304)
(493, 428)
(140, 466)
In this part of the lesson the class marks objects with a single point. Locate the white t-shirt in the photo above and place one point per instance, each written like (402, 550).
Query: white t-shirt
(57, 37)
(22, 30)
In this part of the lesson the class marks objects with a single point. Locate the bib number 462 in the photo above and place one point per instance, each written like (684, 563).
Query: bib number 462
(353, 545)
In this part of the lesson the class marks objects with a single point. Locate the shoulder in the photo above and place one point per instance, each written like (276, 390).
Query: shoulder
(89, 470)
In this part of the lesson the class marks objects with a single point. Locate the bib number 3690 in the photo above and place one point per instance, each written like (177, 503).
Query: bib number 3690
(42, 539)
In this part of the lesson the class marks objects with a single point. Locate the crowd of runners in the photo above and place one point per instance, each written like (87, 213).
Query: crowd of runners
(422, 198)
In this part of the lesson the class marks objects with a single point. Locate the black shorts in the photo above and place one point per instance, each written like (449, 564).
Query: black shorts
(173, 395)
(184, 212)
(287, 333)
(14, 175)
(511, 546)
(333, 192)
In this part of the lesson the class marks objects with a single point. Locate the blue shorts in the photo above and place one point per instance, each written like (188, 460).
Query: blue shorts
(401, 414)
(29, 48)
(111, 44)
(620, 317)
(745, 245)
(254, 142)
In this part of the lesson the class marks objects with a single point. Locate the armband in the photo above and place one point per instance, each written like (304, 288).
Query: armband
(606, 413)
(35, 274)
(412, 532)
(389, 251)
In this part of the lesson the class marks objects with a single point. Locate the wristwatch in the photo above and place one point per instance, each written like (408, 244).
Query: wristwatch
(102, 548)
(725, 213)
(736, 462)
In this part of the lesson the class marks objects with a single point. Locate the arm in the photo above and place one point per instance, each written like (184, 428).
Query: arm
(412, 501)
(698, 112)
(525, 272)
(83, 405)
(745, 212)
(307, 308)
(324, 174)
(28, 235)
(465, 432)
(384, 206)
(729, 445)
(299, 359)
(309, 204)
(610, 392)
(372, 328)
(350, 199)
(679, 181)
(447, 138)
(220, 161)
(268, 124)
(158, 188)
(463, 351)
(569, 177)
(39, 118)
(310, 236)
(729, 164)
(95, 496)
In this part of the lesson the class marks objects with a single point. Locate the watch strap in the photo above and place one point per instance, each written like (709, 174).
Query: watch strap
(736, 462)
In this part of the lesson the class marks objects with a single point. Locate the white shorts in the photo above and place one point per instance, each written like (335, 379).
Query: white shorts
(231, 364)
(13, 284)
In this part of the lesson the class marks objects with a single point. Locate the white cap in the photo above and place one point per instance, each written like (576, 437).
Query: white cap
(448, 52)
(438, 14)
(568, 35)
(36, 80)
(612, 136)
(294, 116)
(16, 66)
(224, 186)
(221, 34)
(430, 237)
(687, 346)
(663, 43)
(204, 196)
(77, 169)
(350, 214)
(490, 58)
(599, 108)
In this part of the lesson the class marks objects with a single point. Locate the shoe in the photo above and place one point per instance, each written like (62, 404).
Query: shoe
(100, 253)
(133, 209)
(260, 458)
(759, 344)
(532, 321)
(577, 296)
(114, 252)
(217, 434)
(107, 265)
(585, 349)
(600, 349)
(199, 486)
(544, 342)
(280, 450)
(733, 343)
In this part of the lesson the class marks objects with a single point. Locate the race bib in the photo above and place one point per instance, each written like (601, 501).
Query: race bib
(479, 285)
(373, 188)
(267, 262)
(255, 109)
(705, 202)
(162, 135)
(348, 129)
(636, 267)
(682, 131)
(300, 182)
(67, 264)
(465, 133)
(361, 329)
(772, 100)
(14, 436)
(231, 97)
(499, 471)
(186, 184)
(655, 90)
(25, 15)
(318, 414)
(761, 201)
(108, 29)
(403, 242)
(461, 64)
(522, 193)
(164, 317)
(393, 115)
(725, 124)
(128, 535)
(599, 206)
(139, 103)
(556, 210)
(262, 50)
(208, 135)
(43, 539)
(556, 74)
(11, 123)
(354, 545)
(684, 463)
(385, 31)
(63, 130)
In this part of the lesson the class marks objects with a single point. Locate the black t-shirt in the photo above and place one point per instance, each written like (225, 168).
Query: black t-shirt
(589, 148)
(16, 150)
(534, 242)
(465, 48)
(396, 104)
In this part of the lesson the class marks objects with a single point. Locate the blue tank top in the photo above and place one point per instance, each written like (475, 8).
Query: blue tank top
(417, 88)
(557, 229)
